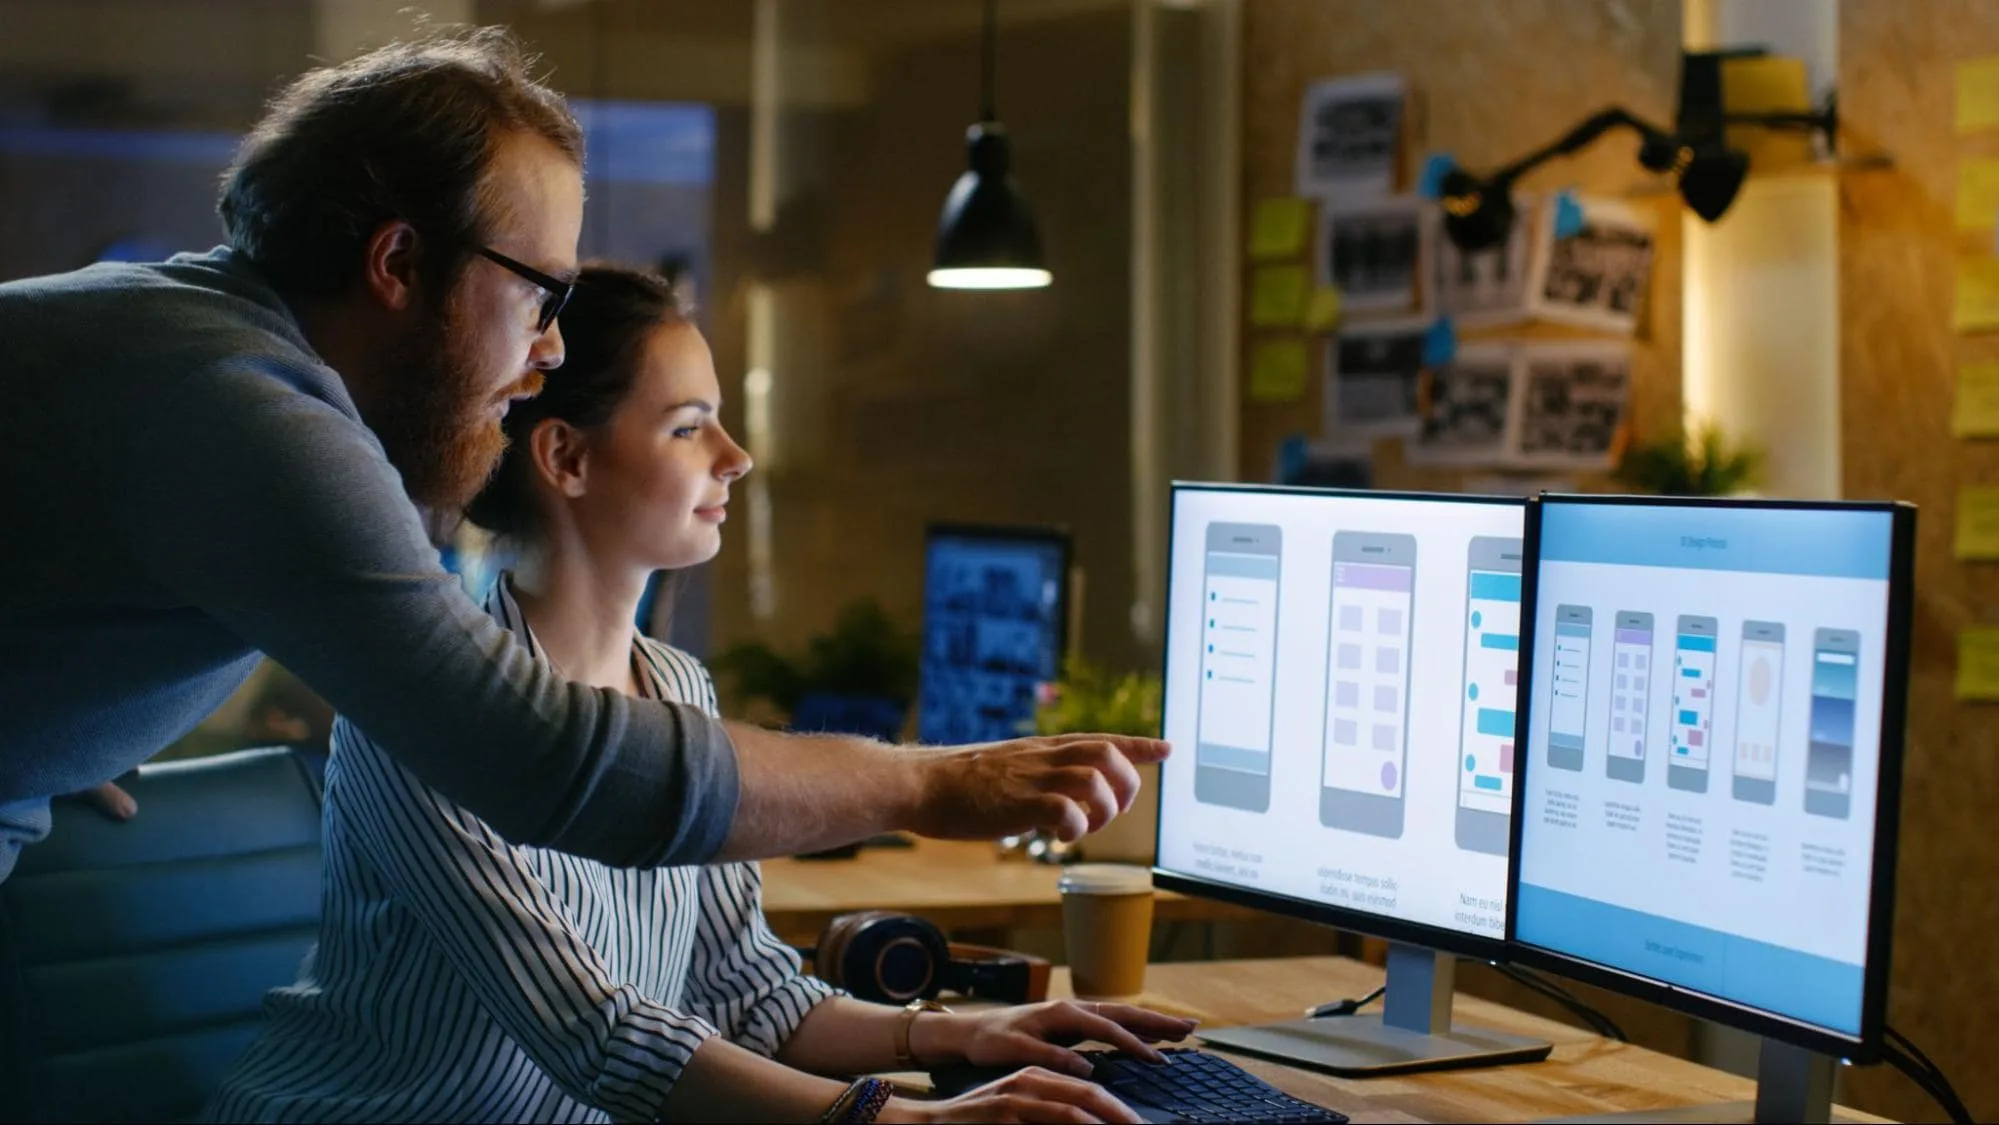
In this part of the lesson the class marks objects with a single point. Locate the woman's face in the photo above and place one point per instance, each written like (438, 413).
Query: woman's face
(658, 473)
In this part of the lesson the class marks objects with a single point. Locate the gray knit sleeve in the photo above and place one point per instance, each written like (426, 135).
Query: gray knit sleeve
(275, 513)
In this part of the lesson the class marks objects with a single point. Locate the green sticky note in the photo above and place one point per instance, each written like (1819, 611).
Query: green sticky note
(1976, 307)
(1978, 665)
(1322, 310)
(1277, 371)
(1978, 94)
(1278, 229)
(1978, 522)
(1977, 193)
(1977, 413)
(1277, 297)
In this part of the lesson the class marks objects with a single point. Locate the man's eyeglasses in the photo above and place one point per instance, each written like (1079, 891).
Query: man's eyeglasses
(557, 289)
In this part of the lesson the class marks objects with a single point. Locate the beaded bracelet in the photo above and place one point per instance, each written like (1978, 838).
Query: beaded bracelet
(859, 1104)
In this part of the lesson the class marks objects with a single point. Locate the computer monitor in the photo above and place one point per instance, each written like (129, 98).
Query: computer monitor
(995, 623)
(1340, 670)
(1706, 809)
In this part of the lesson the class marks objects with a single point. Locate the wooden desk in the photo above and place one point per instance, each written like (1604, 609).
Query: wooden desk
(958, 886)
(1585, 1074)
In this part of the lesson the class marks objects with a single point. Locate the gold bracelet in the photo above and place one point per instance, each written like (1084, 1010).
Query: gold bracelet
(905, 1059)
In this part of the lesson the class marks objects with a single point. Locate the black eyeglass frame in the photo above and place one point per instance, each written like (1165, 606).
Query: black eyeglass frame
(557, 289)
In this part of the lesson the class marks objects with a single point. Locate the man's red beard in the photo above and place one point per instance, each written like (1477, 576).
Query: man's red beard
(440, 432)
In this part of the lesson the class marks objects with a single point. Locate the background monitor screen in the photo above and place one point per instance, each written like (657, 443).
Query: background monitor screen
(995, 611)
(1340, 673)
(1704, 737)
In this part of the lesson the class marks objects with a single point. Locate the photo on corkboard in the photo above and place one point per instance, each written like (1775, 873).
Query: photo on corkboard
(1574, 398)
(1372, 377)
(1483, 288)
(1468, 409)
(1372, 253)
(1599, 275)
(1349, 132)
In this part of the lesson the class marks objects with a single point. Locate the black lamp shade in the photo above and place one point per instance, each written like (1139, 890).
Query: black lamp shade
(986, 238)
(1710, 181)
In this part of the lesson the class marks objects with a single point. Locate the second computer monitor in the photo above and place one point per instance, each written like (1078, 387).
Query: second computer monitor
(995, 622)
(1340, 675)
(1713, 742)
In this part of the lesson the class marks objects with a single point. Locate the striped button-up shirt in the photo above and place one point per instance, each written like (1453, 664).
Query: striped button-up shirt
(460, 978)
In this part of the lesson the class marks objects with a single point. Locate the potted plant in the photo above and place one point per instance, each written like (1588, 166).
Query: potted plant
(1089, 698)
(857, 679)
(1695, 460)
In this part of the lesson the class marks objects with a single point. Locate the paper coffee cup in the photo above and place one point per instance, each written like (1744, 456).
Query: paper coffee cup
(1106, 927)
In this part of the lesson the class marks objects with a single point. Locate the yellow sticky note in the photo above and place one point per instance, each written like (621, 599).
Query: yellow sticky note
(1976, 308)
(1977, 413)
(1977, 193)
(1277, 230)
(1322, 310)
(1978, 94)
(1277, 371)
(1277, 297)
(1978, 665)
(1978, 522)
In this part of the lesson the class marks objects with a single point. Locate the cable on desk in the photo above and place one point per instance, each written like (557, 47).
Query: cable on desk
(1345, 1007)
(1925, 1074)
(1603, 1025)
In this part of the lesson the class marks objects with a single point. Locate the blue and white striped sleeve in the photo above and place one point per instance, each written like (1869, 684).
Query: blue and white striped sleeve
(743, 979)
(603, 1041)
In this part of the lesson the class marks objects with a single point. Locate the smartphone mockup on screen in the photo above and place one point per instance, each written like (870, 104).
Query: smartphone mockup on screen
(1759, 700)
(1829, 758)
(1365, 763)
(1693, 703)
(1491, 678)
(1630, 696)
(1238, 666)
(1567, 722)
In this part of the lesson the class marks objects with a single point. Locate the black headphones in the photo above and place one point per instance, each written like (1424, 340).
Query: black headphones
(892, 958)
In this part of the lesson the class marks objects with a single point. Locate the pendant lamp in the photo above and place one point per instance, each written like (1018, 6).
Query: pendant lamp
(986, 238)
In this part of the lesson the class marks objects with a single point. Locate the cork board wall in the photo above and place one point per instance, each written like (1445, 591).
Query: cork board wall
(1488, 83)
(1898, 246)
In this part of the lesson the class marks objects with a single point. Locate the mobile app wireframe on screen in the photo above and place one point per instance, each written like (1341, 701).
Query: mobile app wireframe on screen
(1754, 888)
(1344, 666)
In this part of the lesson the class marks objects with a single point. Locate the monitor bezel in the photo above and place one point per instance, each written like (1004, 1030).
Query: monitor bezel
(1056, 534)
(1427, 935)
(1866, 1047)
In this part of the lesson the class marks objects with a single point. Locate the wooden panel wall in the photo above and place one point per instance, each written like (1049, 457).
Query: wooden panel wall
(1490, 82)
(1898, 356)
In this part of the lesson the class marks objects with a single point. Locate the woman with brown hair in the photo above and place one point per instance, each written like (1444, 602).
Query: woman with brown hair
(458, 977)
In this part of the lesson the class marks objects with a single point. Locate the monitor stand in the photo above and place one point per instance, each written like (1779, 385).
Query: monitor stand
(1792, 1084)
(1414, 1031)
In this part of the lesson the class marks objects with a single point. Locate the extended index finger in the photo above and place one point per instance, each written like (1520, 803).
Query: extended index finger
(1138, 748)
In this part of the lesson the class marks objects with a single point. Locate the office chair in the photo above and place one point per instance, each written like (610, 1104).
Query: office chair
(134, 956)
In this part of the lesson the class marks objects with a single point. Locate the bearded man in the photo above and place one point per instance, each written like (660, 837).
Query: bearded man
(224, 455)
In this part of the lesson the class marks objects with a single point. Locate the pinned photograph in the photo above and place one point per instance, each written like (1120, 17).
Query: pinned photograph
(1593, 270)
(1467, 409)
(1485, 288)
(1348, 136)
(1372, 253)
(1373, 375)
(1573, 402)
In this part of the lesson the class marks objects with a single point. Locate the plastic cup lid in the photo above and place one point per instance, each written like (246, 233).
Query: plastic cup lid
(1105, 879)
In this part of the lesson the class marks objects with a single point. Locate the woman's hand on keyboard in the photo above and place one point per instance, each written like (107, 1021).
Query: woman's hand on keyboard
(1033, 1094)
(1041, 1034)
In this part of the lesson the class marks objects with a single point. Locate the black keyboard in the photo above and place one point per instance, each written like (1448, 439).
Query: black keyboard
(1195, 1086)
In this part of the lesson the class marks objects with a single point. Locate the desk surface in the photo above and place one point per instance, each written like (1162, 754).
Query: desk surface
(959, 886)
(1585, 1074)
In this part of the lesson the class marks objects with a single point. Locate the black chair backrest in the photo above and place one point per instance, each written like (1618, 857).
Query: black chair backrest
(134, 956)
